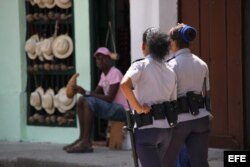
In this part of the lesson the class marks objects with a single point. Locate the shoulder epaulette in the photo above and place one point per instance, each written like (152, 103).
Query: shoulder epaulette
(138, 60)
(170, 59)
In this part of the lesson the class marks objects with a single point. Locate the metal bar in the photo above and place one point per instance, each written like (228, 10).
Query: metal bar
(130, 129)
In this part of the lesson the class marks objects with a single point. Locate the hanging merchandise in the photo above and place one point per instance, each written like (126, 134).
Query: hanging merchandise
(114, 55)
(64, 4)
(36, 98)
(62, 46)
(46, 48)
(48, 102)
(50, 58)
(30, 46)
(62, 102)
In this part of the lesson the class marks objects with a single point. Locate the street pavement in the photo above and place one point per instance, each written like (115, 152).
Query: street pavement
(25, 154)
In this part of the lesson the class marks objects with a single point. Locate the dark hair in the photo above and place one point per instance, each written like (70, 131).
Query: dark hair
(159, 45)
(148, 33)
(183, 34)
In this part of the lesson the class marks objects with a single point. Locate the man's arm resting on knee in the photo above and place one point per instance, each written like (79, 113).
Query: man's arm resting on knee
(98, 93)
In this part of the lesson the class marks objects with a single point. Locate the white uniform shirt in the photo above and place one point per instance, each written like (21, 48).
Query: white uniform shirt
(154, 82)
(190, 71)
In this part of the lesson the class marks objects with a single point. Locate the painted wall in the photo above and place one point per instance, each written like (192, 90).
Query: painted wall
(168, 14)
(13, 73)
(149, 13)
(143, 14)
(12, 67)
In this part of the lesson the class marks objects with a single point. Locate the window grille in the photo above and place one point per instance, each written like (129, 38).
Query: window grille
(50, 64)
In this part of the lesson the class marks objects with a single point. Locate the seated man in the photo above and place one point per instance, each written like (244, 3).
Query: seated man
(106, 102)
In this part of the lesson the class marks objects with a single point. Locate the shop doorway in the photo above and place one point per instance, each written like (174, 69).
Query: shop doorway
(101, 13)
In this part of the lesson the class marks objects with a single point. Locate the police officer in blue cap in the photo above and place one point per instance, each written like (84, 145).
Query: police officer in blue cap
(193, 100)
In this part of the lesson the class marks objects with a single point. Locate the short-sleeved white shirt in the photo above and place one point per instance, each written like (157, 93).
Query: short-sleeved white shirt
(190, 71)
(154, 82)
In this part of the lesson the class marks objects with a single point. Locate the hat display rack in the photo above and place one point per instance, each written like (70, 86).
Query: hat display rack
(50, 58)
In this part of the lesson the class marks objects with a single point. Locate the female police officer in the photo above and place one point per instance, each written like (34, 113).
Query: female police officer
(192, 74)
(150, 87)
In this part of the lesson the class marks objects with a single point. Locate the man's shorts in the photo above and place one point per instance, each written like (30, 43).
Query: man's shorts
(106, 110)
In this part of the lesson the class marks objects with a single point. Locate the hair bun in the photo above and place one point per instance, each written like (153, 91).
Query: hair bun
(188, 33)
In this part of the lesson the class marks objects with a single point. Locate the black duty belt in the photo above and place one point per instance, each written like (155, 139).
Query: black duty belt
(190, 103)
(159, 111)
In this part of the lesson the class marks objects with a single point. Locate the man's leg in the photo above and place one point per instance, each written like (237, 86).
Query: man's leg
(87, 123)
(79, 108)
(87, 107)
(85, 115)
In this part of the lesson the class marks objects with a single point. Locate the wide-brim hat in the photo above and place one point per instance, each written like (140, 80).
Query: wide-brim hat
(32, 2)
(64, 4)
(46, 48)
(40, 3)
(30, 46)
(36, 98)
(62, 102)
(48, 102)
(39, 53)
(114, 56)
(62, 46)
(49, 3)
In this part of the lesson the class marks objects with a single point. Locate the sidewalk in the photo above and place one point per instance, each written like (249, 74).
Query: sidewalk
(52, 155)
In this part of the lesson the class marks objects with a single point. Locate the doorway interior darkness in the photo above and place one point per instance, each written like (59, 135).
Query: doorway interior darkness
(101, 12)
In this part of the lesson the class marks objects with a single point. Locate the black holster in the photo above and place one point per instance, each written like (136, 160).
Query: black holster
(183, 106)
(200, 100)
(193, 103)
(143, 119)
(171, 113)
(158, 111)
(166, 110)
(207, 103)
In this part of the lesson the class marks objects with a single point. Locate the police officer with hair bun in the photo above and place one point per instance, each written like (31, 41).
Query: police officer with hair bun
(150, 87)
(193, 100)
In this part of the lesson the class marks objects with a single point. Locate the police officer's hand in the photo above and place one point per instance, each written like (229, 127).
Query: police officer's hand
(145, 108)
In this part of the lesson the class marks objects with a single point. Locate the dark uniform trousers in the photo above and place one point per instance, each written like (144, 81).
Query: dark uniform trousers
(195, 134)
(151, 145)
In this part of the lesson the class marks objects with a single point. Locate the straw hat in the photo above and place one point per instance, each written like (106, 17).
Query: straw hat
(62, 46)
(70, 84)
(65, 4)
(114, 56)
(47, 101)
(30, 46)
(40, 3)
(46, 48)
(38, 50)
(62, 102)
(49, 3)
(36, 98)
(32, 2)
